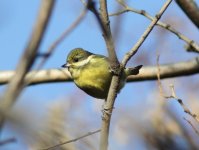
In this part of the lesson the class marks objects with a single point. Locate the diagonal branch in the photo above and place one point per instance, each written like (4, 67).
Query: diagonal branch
(16, 84)
(191, 10)
(134, 50)
(61, 38)
(193, 127)
(184, 107)
(193, 46)
(70, 141)
(45, 56)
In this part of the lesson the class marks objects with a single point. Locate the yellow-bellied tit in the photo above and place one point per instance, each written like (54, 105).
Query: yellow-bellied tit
(92, 73)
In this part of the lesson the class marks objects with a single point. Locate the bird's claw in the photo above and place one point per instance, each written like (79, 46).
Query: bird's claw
(114, 71)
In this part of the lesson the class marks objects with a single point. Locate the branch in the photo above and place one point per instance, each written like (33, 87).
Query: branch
(168, 71)
(134, 50)
(114, 64)
(185, 108)
(147, 73)
(107, 33)
(115, 67)
(38, 77)
(45, 56)
(173, 95)
(193, 127)
(117, 70)
(16, 84)
(192, 46)
(61, 38)
(70, 141)
(191, 9)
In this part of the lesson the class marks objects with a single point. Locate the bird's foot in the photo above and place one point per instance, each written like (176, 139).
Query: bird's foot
(114, 70)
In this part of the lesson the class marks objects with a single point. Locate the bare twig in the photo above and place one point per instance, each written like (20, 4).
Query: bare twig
(193, 46)
(70, 141)
(158, 75)
(185, 108)
(191, 9)
(189, 122)
(173, 95)
(133, 51)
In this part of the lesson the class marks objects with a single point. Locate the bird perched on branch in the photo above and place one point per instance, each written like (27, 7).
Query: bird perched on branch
(92, 73)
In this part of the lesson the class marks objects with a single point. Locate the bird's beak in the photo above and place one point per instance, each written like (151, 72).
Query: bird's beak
(65, 65)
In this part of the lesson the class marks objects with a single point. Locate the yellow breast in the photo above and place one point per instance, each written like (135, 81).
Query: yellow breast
(94, 77)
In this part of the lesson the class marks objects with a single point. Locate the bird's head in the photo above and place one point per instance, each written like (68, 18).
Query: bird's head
(77, 58)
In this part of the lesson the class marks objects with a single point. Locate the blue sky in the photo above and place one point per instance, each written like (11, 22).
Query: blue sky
(17, 20)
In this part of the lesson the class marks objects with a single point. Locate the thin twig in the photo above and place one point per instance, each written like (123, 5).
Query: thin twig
(189, 122)
(173, 95)
(134, 50)
(70, 141)
(158, 75)
(185, 108)
(192, 45)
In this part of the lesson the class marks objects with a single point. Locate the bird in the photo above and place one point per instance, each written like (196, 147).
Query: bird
(92, 74)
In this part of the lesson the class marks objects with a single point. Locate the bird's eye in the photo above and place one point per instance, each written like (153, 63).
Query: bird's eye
(75, 59)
